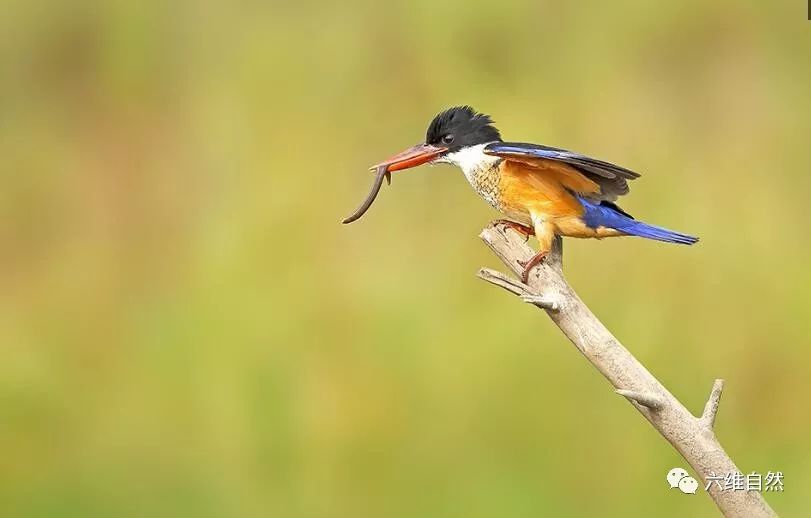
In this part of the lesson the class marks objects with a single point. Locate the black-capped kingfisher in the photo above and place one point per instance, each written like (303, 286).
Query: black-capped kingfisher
(542, 191)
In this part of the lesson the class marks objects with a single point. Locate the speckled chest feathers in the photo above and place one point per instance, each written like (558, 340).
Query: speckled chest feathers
(482, 172)
(485, 181)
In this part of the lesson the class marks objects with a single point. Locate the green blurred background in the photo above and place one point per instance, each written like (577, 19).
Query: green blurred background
(187, 330)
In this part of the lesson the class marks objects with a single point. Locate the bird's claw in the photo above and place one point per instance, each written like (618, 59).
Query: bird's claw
(534, 261)
(518, 227)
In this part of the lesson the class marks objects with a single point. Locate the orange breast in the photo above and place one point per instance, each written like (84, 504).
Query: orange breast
(544, 190)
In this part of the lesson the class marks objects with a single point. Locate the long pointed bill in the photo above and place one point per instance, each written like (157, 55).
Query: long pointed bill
(412, 157)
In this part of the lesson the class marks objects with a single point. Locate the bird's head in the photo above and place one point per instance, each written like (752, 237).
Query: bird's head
(449, 134)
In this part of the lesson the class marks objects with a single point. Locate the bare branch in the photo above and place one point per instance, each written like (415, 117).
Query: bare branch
(643, 398)
(542, 301)
(692, 437)
(502, 281)
(711, 408)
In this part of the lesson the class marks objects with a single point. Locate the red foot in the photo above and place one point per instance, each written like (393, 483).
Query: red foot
(534, 261)
(518, 227)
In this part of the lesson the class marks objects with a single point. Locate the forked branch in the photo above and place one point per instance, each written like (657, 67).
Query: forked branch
(692, 436)
(711, 408)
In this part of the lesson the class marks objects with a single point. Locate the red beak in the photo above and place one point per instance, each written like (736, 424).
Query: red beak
(412, 157)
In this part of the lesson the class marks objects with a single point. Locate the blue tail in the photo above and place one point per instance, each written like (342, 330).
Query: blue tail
(606, 214)
(637, 228)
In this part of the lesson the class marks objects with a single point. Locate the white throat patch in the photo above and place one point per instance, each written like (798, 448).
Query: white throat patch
(471, 159)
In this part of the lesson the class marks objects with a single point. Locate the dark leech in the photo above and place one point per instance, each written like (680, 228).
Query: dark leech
(380, 173)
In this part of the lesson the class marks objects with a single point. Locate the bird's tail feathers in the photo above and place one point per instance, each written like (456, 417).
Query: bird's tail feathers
(638, 228)
(607, 214)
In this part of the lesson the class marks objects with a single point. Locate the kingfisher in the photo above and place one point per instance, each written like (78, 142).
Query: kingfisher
(542, 191)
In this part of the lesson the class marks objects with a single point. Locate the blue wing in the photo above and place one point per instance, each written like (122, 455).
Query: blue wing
(611, 178)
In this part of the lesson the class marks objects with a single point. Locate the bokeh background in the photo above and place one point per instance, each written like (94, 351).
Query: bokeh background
(187, 330)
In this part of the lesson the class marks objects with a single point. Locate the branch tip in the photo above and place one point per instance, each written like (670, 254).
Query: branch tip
(542, 301)
(646, 399)
(503, 281)
(711, 408)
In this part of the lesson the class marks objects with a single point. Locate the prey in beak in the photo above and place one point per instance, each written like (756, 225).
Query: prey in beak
(411, 157)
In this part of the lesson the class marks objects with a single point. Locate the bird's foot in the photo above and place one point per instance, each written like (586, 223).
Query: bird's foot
(534, 261)
(518, 227)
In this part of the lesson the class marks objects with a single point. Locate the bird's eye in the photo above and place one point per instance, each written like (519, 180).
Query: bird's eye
(447, 139)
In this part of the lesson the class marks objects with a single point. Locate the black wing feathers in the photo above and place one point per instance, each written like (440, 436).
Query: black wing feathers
(611, 178)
